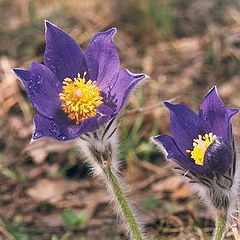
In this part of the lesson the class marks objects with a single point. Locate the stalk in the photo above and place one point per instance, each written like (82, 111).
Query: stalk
(123, 204)
(100, 149)
(220, 226)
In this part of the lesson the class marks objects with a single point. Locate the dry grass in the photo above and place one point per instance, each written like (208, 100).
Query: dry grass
(185, 46)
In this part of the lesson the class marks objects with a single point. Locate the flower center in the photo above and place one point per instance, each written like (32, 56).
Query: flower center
(80, 98)
(200, 146)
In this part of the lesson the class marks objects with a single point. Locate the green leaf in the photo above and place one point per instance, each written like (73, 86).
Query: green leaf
(20, 236)
(9, 173)
(64, 237)
(73, 219)
(83, 218)
(150, 202)
(55, 237)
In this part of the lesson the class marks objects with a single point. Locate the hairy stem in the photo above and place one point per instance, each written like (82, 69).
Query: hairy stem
(122, 203)
(220, 226)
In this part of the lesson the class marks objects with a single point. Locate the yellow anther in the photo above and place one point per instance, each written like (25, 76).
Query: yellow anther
(80, 98)
(200, 146)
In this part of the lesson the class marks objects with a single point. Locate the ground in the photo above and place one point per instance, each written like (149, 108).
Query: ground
(47, 190)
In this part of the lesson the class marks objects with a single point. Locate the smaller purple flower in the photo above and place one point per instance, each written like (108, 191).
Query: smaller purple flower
(201, 144)
(76, 92)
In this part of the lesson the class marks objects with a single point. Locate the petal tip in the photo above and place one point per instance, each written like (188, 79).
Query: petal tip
(111, 31)
(168, 104)
(16, 71)
(46, 22)
(22, 74)
(50, 26)
(213, 91)
(107, 34)
(140, 76)
(154, 139)
(32, 140)
(233, 111)
(145, 76)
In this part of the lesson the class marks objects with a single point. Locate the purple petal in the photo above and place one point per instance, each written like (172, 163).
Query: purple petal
(123, 85)
(45, 127)
(64, 129)
(42, 88)
(213, 111)
(218, 156)
(106, 108)
(102, 58)
(23, 75)
(104, 114)
(186, 125)
(62, 54)
(175, 154)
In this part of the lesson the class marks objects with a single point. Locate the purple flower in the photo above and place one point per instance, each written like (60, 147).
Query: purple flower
(76, 92)
(201, 144)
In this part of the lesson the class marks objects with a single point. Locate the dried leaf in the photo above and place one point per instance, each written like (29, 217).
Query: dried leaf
(182, 193)
(168, 185)
(52, 191)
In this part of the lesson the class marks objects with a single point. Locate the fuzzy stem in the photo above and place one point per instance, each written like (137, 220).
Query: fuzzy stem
(123, 203)
(220, 226)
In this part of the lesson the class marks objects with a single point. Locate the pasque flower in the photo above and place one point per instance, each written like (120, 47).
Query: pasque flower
(202, 146)
(76, 92)
(201, 143)
(77, 96)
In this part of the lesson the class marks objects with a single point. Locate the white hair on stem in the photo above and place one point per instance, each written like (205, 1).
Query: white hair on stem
(101, 151)
(219, 199)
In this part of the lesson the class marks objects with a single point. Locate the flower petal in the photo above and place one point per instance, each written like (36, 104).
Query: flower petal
(218, 156)
(45, 127)
(42, 88)
(102, 58)
(213, 111)
(123, 85)
(62, 54)
(23, 75)
(175, 154)
(186, 125)
(63, 129)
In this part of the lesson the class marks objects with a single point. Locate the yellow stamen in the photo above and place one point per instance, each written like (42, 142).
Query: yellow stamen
(80, 98)
(200, 146)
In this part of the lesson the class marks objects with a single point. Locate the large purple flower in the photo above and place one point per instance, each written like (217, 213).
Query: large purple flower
(201, 143)
(76, 92)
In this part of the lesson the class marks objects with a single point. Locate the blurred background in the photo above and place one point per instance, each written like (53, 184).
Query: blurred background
(185, 46)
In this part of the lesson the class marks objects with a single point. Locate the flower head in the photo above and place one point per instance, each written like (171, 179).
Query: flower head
(76, 92)
(201, 143)
(80, 98)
